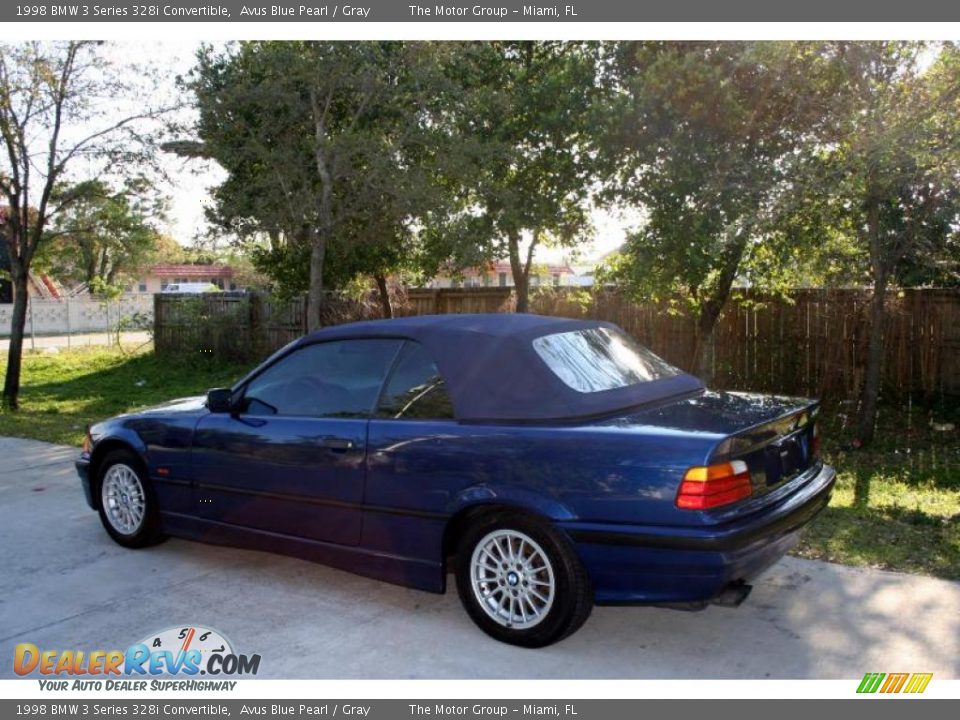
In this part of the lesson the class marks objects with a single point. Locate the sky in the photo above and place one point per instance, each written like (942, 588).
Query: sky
(191, 180)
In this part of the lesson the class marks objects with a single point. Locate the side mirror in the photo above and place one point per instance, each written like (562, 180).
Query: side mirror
(220, 400)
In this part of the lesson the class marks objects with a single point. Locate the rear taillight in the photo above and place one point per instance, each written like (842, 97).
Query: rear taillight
(815, 443)
(711, 486)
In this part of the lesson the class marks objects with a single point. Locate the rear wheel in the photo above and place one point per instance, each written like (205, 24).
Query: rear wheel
(128, 507)
(521, 581)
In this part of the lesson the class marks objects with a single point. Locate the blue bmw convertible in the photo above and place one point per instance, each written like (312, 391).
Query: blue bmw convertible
(550, 464)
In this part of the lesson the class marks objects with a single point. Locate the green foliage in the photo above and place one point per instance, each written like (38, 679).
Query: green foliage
(882, 174)
(339, 140)
(744, 157)
(104, 235)
(54, 118)
(698, 139)
(881, 185)
(526, 127)
(392, 158)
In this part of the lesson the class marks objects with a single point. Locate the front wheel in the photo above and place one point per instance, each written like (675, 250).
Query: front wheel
(521, 581)
(128, 508)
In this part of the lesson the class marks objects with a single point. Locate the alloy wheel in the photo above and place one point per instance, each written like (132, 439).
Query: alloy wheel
(512, 579)
(123, 498)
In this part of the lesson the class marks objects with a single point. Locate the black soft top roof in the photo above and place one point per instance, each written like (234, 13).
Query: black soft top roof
(493, 372)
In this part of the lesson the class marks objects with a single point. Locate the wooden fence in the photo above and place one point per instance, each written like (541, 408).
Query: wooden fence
(240, 326)
(813, 344)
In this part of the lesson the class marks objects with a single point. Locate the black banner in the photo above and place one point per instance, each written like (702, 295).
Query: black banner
(568, 11)
(489, 709)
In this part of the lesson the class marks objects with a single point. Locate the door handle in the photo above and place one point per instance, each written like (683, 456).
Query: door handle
(337, 444)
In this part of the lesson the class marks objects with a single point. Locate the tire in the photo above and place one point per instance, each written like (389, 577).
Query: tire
(548, 604)
(126, 501)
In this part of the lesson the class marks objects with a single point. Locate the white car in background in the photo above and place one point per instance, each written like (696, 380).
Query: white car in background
(190, 288)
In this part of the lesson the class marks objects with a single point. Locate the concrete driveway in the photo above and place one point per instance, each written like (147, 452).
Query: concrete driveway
(62, 342)
(65, 584)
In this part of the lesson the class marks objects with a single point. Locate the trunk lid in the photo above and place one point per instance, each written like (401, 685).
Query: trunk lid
(773, 435)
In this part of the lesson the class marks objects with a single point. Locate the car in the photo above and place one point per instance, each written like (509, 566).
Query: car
(551, 464)
(189, 288)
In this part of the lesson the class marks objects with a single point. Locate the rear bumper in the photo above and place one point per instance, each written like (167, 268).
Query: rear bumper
(658, 564)
(83, 470)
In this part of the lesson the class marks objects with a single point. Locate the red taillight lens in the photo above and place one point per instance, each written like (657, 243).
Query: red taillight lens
(815, 444)
(711, 486)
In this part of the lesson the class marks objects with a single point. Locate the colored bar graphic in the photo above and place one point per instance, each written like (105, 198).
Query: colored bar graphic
(870, 682)
(895, 682)
(918, 682)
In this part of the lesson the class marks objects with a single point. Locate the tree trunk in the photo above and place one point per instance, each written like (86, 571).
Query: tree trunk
(102, 269)
(320, 235)
(318, 251)
(713, 305)
(384, 292)
(90, 273)
(521, 270)
(870, 393)
(706, 322)
(11, 384)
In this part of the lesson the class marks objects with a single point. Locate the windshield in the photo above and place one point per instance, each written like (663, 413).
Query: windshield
(599, 359)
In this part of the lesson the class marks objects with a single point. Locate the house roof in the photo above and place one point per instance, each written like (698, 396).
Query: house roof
(201, 272)
(494, 373)
(504, 267)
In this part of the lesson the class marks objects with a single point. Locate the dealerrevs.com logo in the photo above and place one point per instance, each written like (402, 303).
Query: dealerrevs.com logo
(186, 651)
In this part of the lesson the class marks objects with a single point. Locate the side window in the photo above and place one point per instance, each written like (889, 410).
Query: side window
(415, 390)
(333, 379)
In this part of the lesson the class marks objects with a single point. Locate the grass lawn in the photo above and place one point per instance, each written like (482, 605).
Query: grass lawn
(896, 506)
(897, 503)
(60, 394)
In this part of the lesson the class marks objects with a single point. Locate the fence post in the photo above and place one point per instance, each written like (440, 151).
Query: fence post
(256, 323)
(33, 338)
(157, 346)
(67, 305)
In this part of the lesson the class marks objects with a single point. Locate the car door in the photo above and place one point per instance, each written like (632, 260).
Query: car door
(418, 457)
(292, 458)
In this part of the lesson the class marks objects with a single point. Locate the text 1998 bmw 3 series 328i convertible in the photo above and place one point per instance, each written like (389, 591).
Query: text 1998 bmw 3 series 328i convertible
(551, 463)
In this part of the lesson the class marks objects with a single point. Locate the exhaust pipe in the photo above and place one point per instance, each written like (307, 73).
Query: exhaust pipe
(732, 595)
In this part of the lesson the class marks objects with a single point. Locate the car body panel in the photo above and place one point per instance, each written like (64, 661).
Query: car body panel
(652, 564)
(280, 474)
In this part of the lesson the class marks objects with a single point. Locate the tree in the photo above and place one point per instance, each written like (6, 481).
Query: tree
(887, 172)
(51, 120)
(525, 125)
(697, 138)
(104, 234)
(329, 149)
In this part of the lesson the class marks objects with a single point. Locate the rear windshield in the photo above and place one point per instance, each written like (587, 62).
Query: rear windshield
(597, 359)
